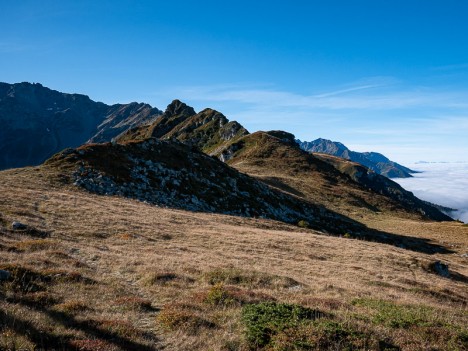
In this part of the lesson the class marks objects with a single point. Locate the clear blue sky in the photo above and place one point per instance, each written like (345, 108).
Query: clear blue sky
(381, 75)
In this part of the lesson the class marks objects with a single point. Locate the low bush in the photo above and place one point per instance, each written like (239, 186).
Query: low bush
(323, 334)
(265, 320)
(72, 306)
(35, 245)
(303, 224)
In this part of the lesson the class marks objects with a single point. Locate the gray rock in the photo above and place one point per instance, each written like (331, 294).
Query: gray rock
(4, 275)
(18, 226)
(441, 269)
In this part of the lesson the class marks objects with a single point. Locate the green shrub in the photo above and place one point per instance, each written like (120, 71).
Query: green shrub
(264, 320)
(218, 295)
(303, 224)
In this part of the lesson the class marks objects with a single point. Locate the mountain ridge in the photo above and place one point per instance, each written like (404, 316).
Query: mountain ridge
(38, 122)
(211, 132)
(372, 160)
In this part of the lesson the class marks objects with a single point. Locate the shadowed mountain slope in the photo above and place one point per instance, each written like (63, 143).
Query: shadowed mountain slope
(372, 160)
(38, 122)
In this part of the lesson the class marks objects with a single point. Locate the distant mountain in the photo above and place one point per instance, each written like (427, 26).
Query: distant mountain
(37, 122)
(372, 160)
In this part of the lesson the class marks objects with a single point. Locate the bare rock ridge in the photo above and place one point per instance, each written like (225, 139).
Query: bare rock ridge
(38, 122)
(372, 160)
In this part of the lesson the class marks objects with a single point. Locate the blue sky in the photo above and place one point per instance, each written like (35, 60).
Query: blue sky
(380, 75)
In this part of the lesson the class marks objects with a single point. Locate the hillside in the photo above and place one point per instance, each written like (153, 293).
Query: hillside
(372, 160)
(38, 122)
(342, 186)
(92, 272)
(172, 174)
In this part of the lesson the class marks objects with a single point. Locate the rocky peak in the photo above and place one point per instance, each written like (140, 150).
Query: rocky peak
(177, 107)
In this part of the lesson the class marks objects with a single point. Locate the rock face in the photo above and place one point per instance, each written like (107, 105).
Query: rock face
(38, 122)
(372, 160)
(168, 173)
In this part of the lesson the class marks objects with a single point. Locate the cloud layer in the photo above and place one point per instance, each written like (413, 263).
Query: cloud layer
(445, 184)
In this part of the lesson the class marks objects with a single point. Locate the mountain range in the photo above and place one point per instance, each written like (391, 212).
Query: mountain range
(38, 122)
(372, 160)
(182, 230)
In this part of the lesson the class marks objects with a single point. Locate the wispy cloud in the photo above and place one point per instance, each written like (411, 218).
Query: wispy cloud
(356, 97)
(458, 66)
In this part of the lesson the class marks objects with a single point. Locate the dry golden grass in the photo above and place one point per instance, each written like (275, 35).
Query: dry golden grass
(125, 275)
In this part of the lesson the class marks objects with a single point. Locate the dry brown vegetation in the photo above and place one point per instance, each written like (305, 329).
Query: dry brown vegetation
(117, 274)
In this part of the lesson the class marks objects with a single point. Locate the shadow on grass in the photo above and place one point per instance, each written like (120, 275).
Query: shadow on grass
(402, 241)
(42, 339)
(47, 341)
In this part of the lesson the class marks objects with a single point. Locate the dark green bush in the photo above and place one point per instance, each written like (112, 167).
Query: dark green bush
(264, 320)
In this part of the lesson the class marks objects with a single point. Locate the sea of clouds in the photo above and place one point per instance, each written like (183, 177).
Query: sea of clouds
(444, 184)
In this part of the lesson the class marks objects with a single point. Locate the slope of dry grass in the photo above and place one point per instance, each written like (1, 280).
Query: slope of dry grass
(117, 274)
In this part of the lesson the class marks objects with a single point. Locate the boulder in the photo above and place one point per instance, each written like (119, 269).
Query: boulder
(18, 226)
(4, 275)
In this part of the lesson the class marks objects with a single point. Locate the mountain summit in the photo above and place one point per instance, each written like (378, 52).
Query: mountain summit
(372, 160)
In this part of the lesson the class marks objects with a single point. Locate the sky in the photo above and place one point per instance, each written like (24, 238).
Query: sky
(376, 75)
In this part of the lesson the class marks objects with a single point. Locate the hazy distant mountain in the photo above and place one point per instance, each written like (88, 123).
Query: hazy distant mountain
(37, 122)
(372, 160)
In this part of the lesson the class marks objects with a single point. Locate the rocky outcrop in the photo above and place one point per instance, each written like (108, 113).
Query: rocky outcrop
(208, 130)
(166, 173)
(372, 160)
